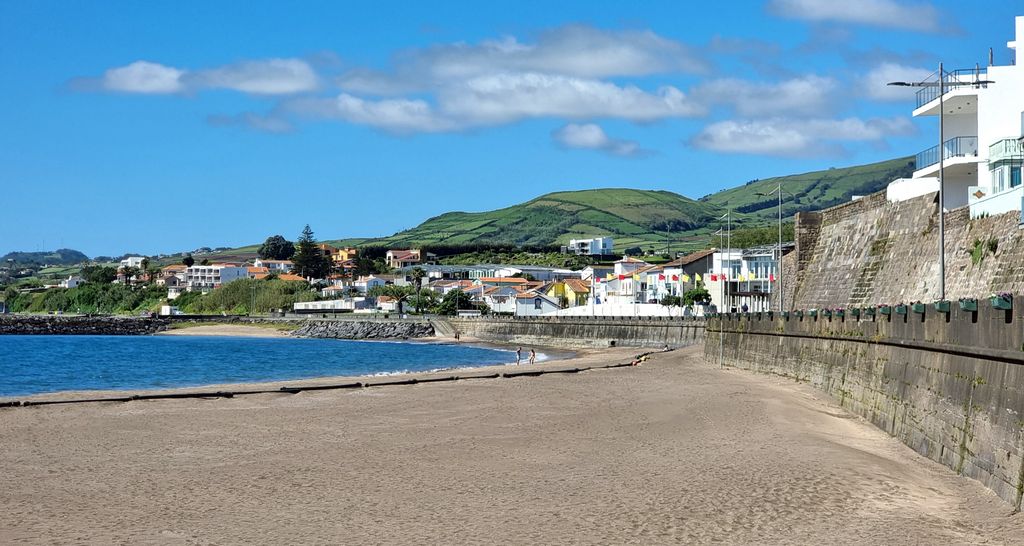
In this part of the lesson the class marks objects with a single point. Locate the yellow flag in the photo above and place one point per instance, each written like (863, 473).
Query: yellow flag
(696, 277)
(686, 278)
(609, 277)
(636, 277)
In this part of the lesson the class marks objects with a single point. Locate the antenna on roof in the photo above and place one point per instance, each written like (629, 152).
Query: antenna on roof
(991, 62)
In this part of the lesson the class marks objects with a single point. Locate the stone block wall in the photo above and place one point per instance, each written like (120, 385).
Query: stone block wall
(581, 331)
(950, 386)
(871, 251)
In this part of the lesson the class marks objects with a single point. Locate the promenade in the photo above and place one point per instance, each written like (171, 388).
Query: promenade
(672, 451)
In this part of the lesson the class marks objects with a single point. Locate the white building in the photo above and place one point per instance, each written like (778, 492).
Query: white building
(533, 304)
(207, 277)
(275, 266)
(983, 126)
(72, 281)
(591, 247)
(132, 261)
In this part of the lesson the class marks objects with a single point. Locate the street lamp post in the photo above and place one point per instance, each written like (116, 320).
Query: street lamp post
(778, 260)
(941, 84)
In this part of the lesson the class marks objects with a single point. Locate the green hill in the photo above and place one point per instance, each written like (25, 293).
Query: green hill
(63, 256)
(633, 217)
(644, 218)
(809, 191)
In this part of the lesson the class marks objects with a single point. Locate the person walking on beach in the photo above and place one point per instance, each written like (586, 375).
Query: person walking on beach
(533, 356)
(519, 355)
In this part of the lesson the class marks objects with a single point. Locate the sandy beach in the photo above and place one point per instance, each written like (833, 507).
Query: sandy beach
(234, 330)
(671, 451)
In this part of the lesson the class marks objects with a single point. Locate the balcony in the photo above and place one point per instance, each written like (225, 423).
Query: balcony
(1008, 149)
(958, 147)
(956, 79)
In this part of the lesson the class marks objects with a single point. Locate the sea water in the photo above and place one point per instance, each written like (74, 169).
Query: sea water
(44, 364)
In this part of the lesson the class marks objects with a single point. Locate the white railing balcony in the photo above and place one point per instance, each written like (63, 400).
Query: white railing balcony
(963, 146)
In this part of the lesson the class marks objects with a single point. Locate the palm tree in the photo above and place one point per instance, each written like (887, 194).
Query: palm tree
(417, 276)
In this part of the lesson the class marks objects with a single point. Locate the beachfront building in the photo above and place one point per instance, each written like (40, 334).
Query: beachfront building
(397, 259)
(72, 281)
(598, 246)
(569, 293)
(983, 133)
(207, 277)
(533, 304)
(741, 277)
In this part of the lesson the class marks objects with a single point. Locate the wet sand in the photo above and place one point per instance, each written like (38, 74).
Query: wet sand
(671, 451)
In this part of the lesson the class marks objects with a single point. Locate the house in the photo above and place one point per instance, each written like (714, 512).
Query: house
(177, 270)
(335, 291)
(366, 283)
(388, 304)
(257, 272)
(341, 255)
(278, 266)
(982, 153)
(532, 304)
(72, 281)
(628, 265)
(597, 246)
(345, 305)
(569, 293)
(595, 272)
(501, 299)
(397, 259)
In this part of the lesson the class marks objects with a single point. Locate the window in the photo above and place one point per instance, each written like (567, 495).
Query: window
(1015, 176)
(537, 304)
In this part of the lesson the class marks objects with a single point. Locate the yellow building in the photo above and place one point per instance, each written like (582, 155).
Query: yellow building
(569, 293)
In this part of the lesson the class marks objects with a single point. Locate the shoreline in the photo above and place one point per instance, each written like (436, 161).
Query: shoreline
(549, 357)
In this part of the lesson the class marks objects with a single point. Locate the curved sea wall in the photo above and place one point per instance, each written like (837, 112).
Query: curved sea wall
(60, 325)
(949, 385)
(377, 329)
(579, 332)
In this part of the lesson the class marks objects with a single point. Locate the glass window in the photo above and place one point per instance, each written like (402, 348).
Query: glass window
(1015, 176)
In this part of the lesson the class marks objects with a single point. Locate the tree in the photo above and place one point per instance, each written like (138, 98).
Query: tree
(276, 247)
(417, 276)
(697, 295)
(308, 260)
(206, 261)
(188, 260)
(130, 273)
(453, 301)
(99, 274)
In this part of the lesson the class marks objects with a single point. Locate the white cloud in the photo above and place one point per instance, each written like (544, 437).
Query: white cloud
(574, 51)
(592, 137)
(805, 96)
(880, 13)
(394, 115)
(260, 77)
(796, 138)
(143, 77)
(503, 98)
(873, 84)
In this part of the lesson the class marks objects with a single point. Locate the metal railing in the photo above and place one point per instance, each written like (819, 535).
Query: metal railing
(962, 146)
(952, 80)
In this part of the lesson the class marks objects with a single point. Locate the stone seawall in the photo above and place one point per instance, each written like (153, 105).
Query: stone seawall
(582, 332)
(871, 251)
(378, 329)
(949, 386)
(59, 325)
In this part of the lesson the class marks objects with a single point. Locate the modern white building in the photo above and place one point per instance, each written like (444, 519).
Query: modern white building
(72, 281)
(132, 261)
(276, 266)
(207, 277)
(591, 247)
(983, 127)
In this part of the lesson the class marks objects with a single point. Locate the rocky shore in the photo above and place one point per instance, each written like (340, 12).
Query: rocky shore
(61, 325)
(350, 329)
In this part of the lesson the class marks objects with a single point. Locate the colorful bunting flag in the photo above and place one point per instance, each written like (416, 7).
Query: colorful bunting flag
(622, 277)
(686, 278)
(696, 278)
(675, 277)
(636, 277)
(661, 277)
(714, 277)
(771, 277)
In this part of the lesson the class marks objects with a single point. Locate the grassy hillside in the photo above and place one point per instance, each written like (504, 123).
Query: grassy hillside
(63, 256)
(633, 217)
(810, 191)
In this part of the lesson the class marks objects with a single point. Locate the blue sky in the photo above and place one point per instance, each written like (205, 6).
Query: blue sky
(148, 127)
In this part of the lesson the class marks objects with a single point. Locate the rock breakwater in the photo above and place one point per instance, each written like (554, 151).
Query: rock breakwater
(60, 325)
(350, 329)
